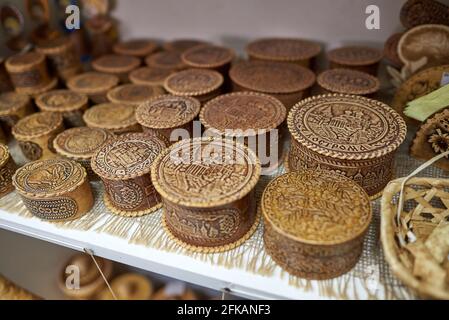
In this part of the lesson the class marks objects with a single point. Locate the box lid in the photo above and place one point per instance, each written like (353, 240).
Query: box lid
(346, 126)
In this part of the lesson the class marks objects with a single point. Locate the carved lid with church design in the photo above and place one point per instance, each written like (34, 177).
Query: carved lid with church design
(243, 111)
(317, 207)
(127, 157)
(205, 172)
(167, 111)
(346, 126)
(49, 178)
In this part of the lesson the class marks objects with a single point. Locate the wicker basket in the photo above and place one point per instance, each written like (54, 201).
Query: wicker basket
(416, 238)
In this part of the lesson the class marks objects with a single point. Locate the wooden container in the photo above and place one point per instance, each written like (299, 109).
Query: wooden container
(117, 118)
(80, 144)
(359, 58)
(251, 118)
(116, 64)
(7, 169)
(62, 55)
(5, 81)
(133, 94)
(29, 73)
(90, 278)
(287, 82)
(207, 189)
(94, 84)
(69, 104)
(138, 47)
(209, 57)
(315, 223)
(201, 84)
(151, 76)
(123, 165)
(13, 107)
(35, 134)
(350, 135)
(291, 50)
(55, 189)
(103, 34)
(182, 45)
(165, 114)
(418, 12)
(348, 81)
(170, 60)
(391, 50)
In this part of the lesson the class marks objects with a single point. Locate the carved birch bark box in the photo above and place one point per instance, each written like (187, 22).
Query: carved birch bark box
(151, 76)
(7, 169)
(69, 104)
(291, 50)
(29, 73)
(137, 47)
(207, 189)
(35, 134)
(167, 113)
(116, 64)
(117, 118)
(93, 84)
(13, 107)
(251, 118)
(166, 60)
(345, 134)
(201, 84)
(124, 164)
(348, 81)
(285, 81)
(133, 94)
(80, 144)
(315, 223)
(61, 54)
(209, 57)
(55, 189)
(359, 58)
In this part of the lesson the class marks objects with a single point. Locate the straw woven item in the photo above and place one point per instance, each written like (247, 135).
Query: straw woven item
(416, 238)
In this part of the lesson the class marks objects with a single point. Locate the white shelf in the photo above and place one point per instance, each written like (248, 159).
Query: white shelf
(185, 268)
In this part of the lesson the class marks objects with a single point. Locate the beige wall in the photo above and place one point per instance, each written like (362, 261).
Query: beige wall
(233, 22)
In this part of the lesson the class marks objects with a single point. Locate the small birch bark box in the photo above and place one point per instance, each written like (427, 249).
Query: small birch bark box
(80, 144)
(13, 107)
(55, 189)
(202, 84)
(35, 134)
(207, 189)
(7, 169)
(254, 119)
(69, 104)
(285, 81)
(124, 164)
(167, 113)
(116, 64)
(115, 117)
(315, 223)
(95, 85)
(29, 73)
(289, 50)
